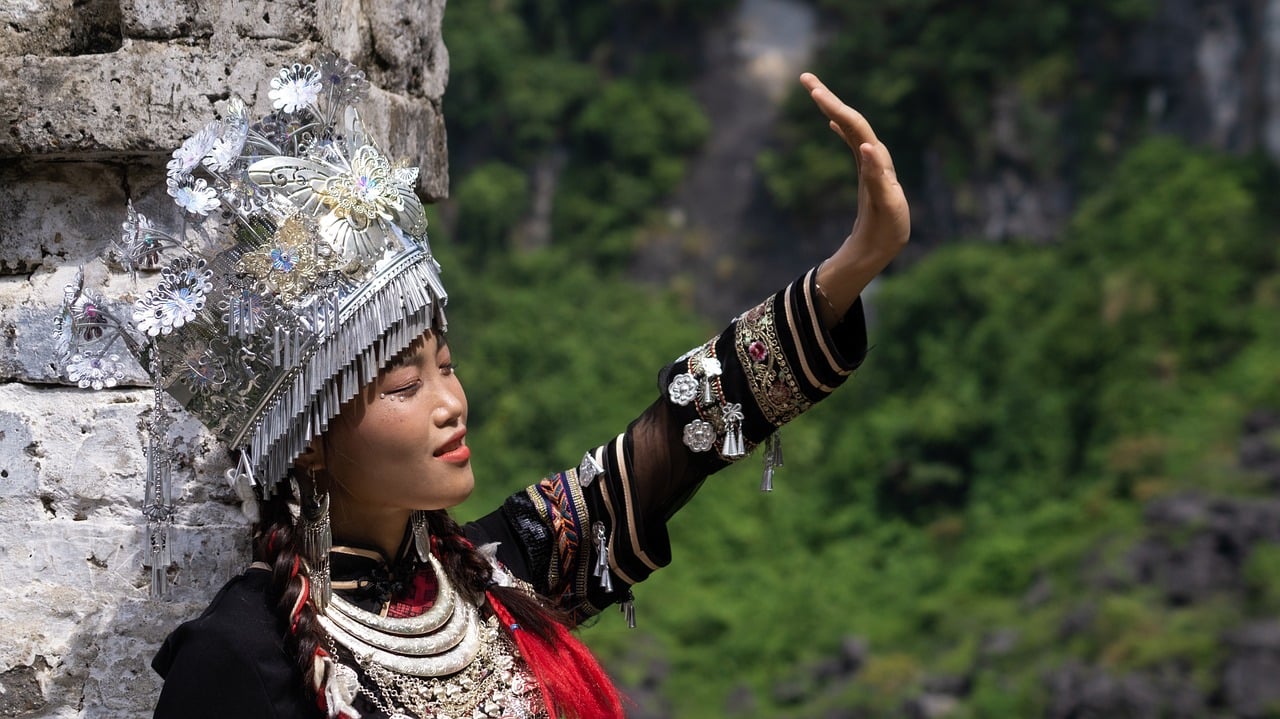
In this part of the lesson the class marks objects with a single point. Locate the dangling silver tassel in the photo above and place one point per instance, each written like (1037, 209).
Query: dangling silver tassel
(421, 536)
(158, 537)
(601, 569)
(710, 370)
(733, 446)
(733, 442)
(588, 470)
(317, 540)
(629, 610)
(157, 505)
(158, 509)
(772, 459)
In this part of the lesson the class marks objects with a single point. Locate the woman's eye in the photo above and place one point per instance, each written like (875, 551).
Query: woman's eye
(448, 368)
(409, 388)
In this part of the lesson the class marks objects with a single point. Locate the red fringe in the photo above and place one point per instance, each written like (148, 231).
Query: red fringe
(572, 683)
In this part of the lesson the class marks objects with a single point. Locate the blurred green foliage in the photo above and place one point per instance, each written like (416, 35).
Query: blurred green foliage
(1017, 408)
(534, 80)
(929, 74)
(956, 505)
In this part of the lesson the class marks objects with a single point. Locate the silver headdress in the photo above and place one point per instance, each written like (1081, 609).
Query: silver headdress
(301, 266)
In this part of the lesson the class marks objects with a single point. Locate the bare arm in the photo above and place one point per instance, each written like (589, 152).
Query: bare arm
(883, 221)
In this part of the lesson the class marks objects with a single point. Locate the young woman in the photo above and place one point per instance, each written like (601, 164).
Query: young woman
(365, 599)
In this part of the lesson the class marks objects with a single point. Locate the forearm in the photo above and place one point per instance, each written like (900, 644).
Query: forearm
(841, 279)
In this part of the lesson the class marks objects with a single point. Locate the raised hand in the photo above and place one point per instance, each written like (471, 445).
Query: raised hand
(883, 223)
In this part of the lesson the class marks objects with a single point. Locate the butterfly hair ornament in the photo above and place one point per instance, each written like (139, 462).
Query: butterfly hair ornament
(299, 267)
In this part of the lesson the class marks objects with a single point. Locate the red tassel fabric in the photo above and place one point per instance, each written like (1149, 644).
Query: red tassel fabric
(573, 684)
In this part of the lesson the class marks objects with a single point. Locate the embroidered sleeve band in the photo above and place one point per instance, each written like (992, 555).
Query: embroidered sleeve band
(772, 364)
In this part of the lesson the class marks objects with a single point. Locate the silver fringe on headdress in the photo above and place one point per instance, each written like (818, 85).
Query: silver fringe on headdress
(301, 266)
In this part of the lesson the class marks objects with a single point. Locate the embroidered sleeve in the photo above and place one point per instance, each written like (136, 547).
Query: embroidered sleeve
(592, 532)
(560, 505)
(774, 362)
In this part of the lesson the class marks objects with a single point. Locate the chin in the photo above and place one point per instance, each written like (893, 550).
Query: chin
(457, 492)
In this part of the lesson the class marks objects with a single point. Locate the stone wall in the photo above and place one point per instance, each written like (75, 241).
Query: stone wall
(94, 95)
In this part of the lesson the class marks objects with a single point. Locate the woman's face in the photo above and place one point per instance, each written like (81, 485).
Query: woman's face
(400, 444)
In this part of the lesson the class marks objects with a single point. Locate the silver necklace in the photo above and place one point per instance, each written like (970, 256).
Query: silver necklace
(443, 640)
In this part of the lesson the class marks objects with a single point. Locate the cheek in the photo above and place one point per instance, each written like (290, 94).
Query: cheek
(394, 436)
(360, 447)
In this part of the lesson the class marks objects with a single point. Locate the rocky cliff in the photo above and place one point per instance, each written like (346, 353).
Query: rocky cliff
(94, 96)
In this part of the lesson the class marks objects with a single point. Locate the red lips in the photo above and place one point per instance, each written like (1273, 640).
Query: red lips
(454, 451)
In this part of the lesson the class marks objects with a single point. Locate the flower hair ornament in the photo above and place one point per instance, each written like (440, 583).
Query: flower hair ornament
(300, 265)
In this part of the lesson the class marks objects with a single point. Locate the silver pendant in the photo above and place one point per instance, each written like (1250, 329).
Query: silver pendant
(733, 446)
(421, 535)
(711, 367)
(699, 436)
(588, 470)
(601, 570)
(682, 389)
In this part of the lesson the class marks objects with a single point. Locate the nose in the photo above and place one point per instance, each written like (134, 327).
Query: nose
(451, 407)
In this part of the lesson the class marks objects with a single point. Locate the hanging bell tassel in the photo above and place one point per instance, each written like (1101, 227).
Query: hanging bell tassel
(629, 610)
(158, 536)
(601, 570)
(733, 447)
(710, 367)
(772, 460)
(159, 514)
(421, 536)
(733, 441)
(158, 503)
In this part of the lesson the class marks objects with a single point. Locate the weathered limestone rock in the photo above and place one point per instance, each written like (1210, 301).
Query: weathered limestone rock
(95, 96)
(59, 27)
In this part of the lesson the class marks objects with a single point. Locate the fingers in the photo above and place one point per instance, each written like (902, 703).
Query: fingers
(875, 165)
(878, 176)
(853, 127)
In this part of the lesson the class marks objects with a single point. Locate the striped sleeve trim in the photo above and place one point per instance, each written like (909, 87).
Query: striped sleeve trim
(827, 357)
(562, 506)
(800, 320)
(812, 295)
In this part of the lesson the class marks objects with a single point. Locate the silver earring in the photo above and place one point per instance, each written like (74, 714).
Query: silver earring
(317, 538)
(421, 535)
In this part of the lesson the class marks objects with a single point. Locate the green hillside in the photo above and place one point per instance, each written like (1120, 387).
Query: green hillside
(1054, 487)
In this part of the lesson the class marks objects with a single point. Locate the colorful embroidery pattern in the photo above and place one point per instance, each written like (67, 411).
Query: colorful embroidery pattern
(562, 506)
(772, 382)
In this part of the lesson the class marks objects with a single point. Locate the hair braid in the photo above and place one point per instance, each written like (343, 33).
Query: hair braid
(276, 543)
(473, 574)
(572, 683)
